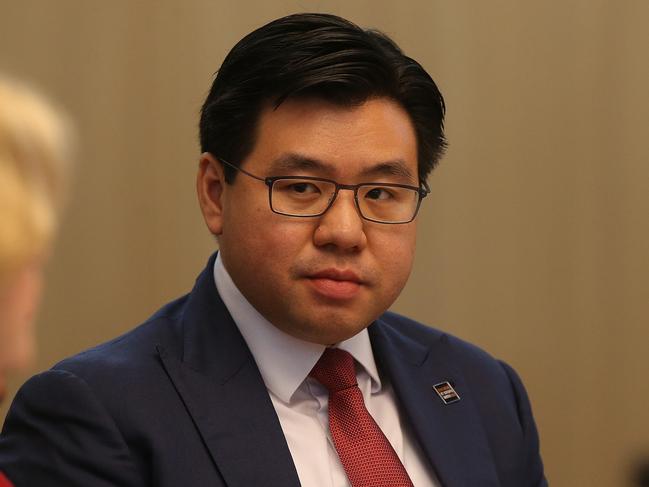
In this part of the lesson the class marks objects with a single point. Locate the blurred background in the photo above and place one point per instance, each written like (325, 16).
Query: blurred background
(534, 243)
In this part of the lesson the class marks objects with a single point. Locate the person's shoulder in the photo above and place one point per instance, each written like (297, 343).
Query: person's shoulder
(469, 357)
(132, 352)
(495, 384)
(427, 335)
(96, 381)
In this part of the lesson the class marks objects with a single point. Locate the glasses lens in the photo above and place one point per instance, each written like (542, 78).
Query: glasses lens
(388, 204)
(301, 197)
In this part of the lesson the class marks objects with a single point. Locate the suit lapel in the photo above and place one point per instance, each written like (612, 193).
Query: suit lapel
(451, 435)
(225, 395)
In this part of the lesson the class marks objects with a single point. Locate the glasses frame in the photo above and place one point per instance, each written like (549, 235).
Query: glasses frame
(422, 191)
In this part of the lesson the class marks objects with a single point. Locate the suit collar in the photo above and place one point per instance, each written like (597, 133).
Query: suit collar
(221, 387)
(451, 436)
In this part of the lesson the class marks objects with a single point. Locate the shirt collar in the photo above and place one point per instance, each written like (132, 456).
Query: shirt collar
(283, 360)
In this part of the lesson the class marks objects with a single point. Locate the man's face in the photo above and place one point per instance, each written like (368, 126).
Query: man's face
(320, 279)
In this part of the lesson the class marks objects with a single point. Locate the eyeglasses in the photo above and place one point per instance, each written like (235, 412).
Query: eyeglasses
(305, 196)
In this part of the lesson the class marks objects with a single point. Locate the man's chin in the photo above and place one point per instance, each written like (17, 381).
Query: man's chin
(335, 330)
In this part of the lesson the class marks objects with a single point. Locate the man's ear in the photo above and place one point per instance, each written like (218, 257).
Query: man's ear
(210, 183)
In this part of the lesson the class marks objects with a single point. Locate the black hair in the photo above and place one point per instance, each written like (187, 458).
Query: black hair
(316, 56)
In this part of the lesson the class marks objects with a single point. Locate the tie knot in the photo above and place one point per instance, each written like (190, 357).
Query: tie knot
(335, 370)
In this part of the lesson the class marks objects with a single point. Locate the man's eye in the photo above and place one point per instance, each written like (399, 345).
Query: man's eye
(303, 188)
(379, 194)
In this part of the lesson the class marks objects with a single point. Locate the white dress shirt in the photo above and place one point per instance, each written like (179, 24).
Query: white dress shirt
(301, 402)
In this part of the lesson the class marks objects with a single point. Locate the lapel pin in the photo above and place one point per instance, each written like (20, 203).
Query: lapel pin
(446, 392)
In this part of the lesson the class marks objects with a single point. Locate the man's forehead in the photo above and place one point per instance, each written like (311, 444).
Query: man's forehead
(365, 140)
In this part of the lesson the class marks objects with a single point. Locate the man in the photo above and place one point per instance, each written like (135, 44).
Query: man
(282, 366)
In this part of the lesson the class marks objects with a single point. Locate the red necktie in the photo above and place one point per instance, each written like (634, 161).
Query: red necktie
(4, 482)
(367, 457)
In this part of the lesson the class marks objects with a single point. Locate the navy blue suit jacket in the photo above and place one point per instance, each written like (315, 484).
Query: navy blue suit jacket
(180, 401)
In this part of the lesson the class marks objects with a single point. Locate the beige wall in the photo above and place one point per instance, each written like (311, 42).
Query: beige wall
(533, 244)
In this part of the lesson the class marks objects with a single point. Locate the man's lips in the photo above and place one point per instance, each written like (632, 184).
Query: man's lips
(335, 284)
(336, 275)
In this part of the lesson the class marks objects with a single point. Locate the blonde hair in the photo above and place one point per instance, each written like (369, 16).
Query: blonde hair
(34, 159)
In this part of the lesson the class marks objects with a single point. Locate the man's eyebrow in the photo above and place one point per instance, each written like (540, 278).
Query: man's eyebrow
(291, 163)
(396, 167)
(298, 162)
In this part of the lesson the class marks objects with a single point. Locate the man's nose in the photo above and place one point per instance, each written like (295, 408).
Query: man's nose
(342, 225)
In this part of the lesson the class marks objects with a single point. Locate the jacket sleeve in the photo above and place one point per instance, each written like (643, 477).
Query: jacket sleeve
(58, 434)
